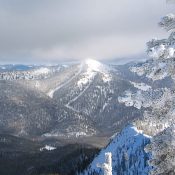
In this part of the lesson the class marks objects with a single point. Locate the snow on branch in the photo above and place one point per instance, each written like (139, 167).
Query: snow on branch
(168, 22)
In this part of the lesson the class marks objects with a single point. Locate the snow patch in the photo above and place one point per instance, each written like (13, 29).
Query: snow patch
(42, 70)
(141, 86)
(48, 148)
(87, 78)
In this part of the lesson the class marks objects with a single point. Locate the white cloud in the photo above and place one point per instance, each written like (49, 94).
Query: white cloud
(41, 30)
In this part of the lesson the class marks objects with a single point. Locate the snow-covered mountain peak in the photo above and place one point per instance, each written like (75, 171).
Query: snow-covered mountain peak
(94, 65)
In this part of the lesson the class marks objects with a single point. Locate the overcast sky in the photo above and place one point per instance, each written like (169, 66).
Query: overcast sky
(58, 30)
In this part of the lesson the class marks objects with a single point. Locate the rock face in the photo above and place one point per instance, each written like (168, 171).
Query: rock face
(128, 156)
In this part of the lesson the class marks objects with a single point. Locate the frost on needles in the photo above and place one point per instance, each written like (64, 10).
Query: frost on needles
(159, 104)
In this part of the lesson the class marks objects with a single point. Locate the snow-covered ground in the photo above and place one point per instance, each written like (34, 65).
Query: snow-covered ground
(141, 86)
(48, 148)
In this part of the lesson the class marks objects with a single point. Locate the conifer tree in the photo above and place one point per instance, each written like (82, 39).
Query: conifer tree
(159, 120)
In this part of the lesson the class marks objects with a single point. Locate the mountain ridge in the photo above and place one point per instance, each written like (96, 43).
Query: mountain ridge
(128, 156)
(82, 99)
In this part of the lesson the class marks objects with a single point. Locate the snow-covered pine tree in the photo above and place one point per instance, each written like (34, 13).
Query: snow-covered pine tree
(107, 165)
(159, 119)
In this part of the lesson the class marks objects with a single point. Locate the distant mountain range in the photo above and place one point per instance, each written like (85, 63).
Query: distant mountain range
(54, 106)
(64, 101)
